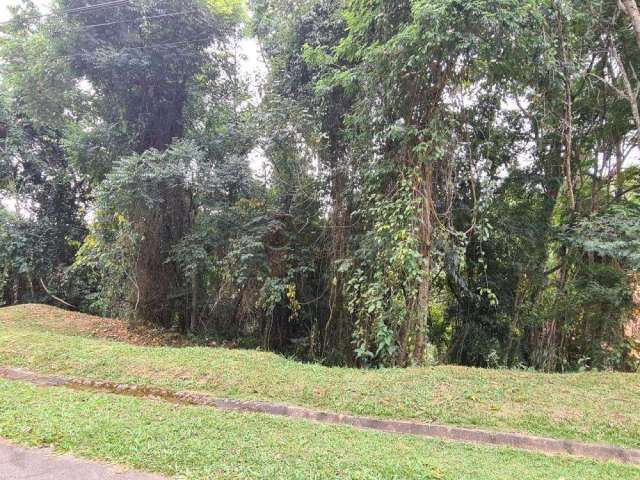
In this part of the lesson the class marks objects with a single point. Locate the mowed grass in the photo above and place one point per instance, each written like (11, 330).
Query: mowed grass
(203, 443)
(595, 407)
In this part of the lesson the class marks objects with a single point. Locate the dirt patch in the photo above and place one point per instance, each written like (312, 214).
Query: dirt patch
(73, 323)
(566, 415)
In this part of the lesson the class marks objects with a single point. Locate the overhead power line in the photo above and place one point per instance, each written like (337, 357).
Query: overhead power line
(141, 47)
(87, 8)
(127, 20)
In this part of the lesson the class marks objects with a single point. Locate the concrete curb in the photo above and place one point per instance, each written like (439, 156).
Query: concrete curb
(485, 437)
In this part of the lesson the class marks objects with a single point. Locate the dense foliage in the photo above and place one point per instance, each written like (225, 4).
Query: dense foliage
(443, 180)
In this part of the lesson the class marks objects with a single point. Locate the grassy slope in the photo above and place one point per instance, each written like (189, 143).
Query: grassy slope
(602, 407)
(202, 443)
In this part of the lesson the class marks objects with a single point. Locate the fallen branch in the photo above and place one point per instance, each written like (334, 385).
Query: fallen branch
(56, 298)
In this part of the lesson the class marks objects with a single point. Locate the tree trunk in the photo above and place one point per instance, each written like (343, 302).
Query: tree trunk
(195, 300)
(628, 92)
(619, 176)
(426, 239)
(335, 336)
(567, 127)
(160, 230)
(162, 227)
(630, 7)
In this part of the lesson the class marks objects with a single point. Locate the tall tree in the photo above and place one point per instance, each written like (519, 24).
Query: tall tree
(140, 58)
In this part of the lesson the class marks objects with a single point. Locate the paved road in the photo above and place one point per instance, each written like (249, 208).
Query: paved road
(17, 463)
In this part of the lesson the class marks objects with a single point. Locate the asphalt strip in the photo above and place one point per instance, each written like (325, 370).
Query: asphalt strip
(18, 463)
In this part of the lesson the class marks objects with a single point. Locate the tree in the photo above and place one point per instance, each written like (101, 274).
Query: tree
(141, 59)
(630, 7)
(443, 180)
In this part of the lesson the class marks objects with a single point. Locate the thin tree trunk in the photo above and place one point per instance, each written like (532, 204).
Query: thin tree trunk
(334, 331)
(619, 177)
(567, 127)
(195, 300)
(629, 93)
(630, 7)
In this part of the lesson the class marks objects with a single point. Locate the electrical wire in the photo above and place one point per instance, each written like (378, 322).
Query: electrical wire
(128, 20)
(86, 8)
(141, 47)
(118, 3)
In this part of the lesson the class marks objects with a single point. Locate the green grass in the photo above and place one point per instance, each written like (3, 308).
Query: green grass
(203, 443)
(600, 407)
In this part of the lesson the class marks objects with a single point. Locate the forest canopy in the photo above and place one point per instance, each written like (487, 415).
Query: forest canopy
(442, 181)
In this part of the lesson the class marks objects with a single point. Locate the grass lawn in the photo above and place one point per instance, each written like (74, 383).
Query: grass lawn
(600, 407)
(203, 443)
